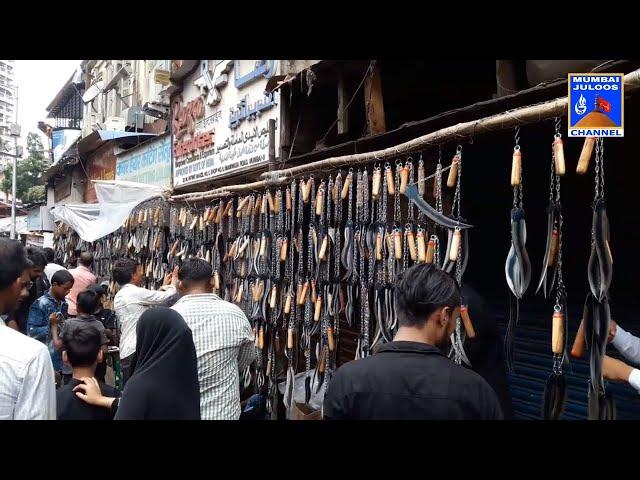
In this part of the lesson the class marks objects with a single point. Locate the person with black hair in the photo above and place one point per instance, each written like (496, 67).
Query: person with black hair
(14, 275)
(223, 339)
(132, 301)
(52, 266)
(37, 262)
(83, 277)
(411, 378)
(51, 309)
(27, 385)
(82, 349)
(106, 316)
(87, 304)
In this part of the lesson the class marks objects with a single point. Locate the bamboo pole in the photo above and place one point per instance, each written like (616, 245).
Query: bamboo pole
(519, 116)
(228, 190)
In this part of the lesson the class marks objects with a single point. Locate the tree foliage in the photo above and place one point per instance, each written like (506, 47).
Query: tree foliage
(29, 170)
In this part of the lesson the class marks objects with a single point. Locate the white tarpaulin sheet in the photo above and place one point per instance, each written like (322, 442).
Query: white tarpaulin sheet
(116, 200)
(21, 224)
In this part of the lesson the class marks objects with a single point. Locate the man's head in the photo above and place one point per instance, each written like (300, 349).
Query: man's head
(87, 302)
(195, 273)
(81, 346)
(49, 254)
(61, 283)
(86, 259)
(14, 276)
(36, 255)
(128, 270)
(428, 299)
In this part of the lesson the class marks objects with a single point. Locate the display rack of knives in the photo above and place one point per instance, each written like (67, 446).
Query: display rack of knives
(312, 259)
(312, 263)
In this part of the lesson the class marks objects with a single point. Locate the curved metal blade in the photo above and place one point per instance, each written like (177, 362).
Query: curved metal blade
(411, 192)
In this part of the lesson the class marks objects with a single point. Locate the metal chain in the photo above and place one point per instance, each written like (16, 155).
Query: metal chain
(438, 185)
(383, 211)
(329, 199)
(350, 204)
(397, 215)
(552, 175)
(405, 247)
(601, 140)
(409, 165)
(459, 265)
(597, 162)
(359, 197)
(338, 209)
(338, 224)
(365, 196)
(312, 211)
(560, 284)
(421, 179)
(300, 204)
(458, 186)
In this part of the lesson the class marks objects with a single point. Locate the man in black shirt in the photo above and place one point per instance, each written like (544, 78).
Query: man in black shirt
(82, 349)
(410, 378)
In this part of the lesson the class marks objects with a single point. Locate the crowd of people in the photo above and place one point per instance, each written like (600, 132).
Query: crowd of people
(180, 350)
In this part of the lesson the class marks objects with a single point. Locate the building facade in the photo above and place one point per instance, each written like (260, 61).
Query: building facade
(7, 107)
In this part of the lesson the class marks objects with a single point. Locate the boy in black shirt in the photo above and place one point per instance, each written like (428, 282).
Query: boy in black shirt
(83, 350)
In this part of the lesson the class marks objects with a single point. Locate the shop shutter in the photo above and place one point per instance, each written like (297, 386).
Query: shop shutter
(533, 362)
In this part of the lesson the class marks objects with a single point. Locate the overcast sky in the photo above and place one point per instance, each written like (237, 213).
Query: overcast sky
(38, 83)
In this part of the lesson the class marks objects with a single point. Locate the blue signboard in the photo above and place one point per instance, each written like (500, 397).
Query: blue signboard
(596, 105)
(149, 163)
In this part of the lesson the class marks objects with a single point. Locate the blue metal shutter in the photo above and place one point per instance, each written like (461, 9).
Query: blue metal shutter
(533, 361)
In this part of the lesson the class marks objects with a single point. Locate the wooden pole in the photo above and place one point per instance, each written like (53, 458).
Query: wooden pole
(374, 103)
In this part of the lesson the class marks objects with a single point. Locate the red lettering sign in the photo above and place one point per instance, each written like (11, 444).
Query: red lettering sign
(184, 117)
(198, 142)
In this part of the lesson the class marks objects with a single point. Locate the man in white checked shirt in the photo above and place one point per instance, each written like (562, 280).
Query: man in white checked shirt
(223, 339)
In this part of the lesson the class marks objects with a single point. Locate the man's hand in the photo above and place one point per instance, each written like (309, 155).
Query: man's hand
(613, 326)
(615, 370)
(13, 324)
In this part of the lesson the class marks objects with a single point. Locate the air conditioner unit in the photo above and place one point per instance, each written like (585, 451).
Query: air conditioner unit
(115, 123)
(134, 117)
(95, 122)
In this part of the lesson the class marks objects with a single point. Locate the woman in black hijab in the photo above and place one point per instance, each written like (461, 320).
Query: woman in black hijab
(164, 380)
